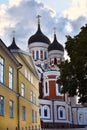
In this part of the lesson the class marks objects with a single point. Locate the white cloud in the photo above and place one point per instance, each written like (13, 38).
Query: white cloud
(68, 27)
(78, 8)
(14, 2)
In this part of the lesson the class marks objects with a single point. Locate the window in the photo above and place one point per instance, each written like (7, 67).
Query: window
(46, 112)
(31, 96)
(81, 117)
(61, 113)
(1, 69)
(41, 111)
(37, 55)
(46, 89)
(24, 113)
(11, 104)
(25, 73)
(22, 89)
(58, 89)
(29, 76)
(1, 105)
(11, 78)
(45, 55)
(35, 116)
(46, 66)
(32, 116)
(32, 79)
(55, 60)
(34, 98)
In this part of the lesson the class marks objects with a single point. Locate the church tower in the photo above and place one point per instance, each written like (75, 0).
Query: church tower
(47, 55)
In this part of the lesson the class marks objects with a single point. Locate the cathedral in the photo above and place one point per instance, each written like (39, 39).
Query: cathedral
(57, 110)
(30, 97)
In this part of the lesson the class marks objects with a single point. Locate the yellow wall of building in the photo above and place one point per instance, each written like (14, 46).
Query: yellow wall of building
(6, 122)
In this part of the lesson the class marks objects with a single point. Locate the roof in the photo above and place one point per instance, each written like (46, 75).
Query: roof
(13, 45)
(55, 45)
(38, 36)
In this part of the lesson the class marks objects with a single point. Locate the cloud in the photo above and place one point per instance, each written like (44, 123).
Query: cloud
(78, 8)
(21, 17)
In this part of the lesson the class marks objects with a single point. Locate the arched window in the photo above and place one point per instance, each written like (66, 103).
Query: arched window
(46, 112)
(55, 60)
(1, 105)
(61, 113)
(45, 55)
(81, 117)
(41, 111)
(46, 88)
(58, 89)
(37, 55)
(1, 70)
(46, 66)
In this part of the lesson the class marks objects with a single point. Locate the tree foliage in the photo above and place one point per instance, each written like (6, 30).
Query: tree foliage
(73, 73)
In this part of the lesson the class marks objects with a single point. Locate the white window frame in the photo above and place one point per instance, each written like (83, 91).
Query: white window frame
(24, 113)
(58, 93)
(1, 70)
(46, 88)
(48, 111)
(64, 112)
(11, 105)
(11, 77)
(1, 105)
(23, 89)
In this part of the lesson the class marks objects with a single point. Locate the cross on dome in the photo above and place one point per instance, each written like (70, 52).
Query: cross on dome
(13, 33)
(38, 16)
(54, 30)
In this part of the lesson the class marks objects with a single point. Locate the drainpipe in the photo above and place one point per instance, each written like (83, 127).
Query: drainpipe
(53, 112)
(18, 95)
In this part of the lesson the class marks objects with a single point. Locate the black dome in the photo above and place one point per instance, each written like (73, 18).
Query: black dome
(38, 37)
(13, 46)
(55, 45)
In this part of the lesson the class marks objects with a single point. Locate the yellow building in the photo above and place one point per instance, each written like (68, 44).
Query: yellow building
(19, 106)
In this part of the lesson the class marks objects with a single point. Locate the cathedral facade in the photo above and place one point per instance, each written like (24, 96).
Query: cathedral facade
(57, 110)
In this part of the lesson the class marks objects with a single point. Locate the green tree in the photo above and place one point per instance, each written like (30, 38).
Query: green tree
(73, 72)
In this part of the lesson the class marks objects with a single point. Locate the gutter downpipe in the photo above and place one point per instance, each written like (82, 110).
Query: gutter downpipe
(53, 113)
(18, 96)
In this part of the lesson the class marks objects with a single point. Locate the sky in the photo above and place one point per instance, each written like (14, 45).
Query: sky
(68, 16)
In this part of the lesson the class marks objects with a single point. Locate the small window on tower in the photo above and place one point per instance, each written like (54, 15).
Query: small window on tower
(46, 66)
(37, 55)
(55, 60)
(45, 55)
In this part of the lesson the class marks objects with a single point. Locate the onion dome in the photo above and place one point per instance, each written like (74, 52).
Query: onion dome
(55, 44)
(38, 36)
(13, 46)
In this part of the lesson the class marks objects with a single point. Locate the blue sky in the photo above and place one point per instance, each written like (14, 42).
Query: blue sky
(68, 16)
